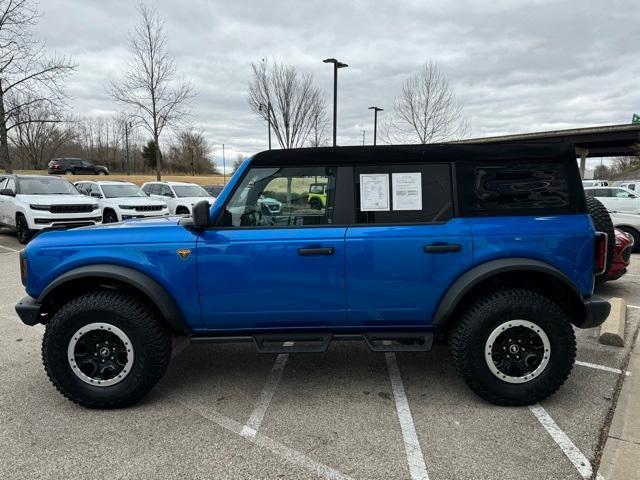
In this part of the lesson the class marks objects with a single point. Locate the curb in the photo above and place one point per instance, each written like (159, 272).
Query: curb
(622, 448)
(612, 329)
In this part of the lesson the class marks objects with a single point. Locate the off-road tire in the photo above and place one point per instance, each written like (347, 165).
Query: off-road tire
(469, 336)
(602, 222)
(109, 216)
(315, 204)
(150, 339)
(23, 232)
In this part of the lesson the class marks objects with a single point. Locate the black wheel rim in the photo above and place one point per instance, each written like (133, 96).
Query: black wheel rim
(21, 230)
(100, 354)
(517, 351)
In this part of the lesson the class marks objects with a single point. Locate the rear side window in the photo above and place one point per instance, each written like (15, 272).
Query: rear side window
(403, 194)
(517, 188)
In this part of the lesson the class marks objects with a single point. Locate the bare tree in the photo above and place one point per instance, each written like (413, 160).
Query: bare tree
(426, 110)
(149, 86)
(318, 136)
(28, 78)
(278, 94)
(191, 153)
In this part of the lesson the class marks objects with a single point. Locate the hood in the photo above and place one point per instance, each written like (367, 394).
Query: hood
(133, 201)
(57, 199)
(153, 230)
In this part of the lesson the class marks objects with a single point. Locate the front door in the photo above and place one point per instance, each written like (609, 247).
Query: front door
(406, 248)
(272, 261)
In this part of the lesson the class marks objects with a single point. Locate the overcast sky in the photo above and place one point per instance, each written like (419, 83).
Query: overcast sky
(516, 66)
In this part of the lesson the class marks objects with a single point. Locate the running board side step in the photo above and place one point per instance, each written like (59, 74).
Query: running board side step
(308, 342)
(399, 341)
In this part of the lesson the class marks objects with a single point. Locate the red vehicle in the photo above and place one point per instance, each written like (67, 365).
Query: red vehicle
(621, 256)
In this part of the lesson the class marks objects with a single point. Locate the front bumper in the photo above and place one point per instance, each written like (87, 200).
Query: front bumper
(28, 309)
(597, 310)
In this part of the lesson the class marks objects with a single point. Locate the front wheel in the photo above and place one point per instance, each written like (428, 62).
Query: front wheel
(101, 172)
(109, 217)
(105, 349)
(23, 232)
(513, 347)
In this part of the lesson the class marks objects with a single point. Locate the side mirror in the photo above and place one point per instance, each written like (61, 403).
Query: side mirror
(7, 192)
(95, 195)
(200, 214)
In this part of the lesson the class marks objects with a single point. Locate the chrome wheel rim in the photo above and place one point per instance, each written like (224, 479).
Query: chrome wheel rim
(517, 351)
(100, 354)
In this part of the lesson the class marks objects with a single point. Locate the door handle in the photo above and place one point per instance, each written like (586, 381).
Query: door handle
(442, 248)
(316, 251)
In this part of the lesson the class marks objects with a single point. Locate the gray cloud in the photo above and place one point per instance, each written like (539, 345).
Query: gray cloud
(516, 66)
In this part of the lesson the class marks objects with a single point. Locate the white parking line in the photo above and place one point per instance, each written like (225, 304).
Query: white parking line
(417, 467)
(601, 367)
(633, 306)
(11, 250)
(574, 455)
(255, 420)
(289, 454)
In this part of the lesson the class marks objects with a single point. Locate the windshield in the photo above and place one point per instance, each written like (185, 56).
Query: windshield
(121, 191)
(190, 191)
(46, 186)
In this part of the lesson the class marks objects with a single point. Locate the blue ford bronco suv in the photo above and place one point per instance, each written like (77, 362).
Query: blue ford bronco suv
(489, 248)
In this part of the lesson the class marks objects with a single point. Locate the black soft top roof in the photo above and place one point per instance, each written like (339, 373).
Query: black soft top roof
(444, 152)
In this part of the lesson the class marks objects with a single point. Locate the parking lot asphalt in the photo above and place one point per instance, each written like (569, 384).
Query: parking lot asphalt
(228, 412)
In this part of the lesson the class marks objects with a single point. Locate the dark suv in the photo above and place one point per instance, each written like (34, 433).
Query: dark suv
(488, 248)
(75, 166)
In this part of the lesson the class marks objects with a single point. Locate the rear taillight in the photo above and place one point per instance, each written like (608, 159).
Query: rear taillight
(600, 260)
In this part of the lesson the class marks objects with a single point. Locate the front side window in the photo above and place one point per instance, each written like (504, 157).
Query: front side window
(280, 196)
(46, 186)
(403, 194)
(164, 190)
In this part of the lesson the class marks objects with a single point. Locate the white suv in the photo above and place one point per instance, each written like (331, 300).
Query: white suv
(179, 196)
(616, 199)
(122, 200)
(32, 202)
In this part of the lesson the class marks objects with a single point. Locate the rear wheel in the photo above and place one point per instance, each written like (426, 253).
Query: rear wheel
(316, 204)
(68, 172)
(23, 232)
(513, 347)
(101, 172)
(105, 349)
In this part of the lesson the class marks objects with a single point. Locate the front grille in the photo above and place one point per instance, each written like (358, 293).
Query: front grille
(149, 208)
(71, 208)
(626, 254)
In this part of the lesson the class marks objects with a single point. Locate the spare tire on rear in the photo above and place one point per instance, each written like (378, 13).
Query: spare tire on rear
(602, 223)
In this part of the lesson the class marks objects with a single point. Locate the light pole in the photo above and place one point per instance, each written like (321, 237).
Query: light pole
(336, 66)
(268, 107)
(375, 122)
(224, 167)
(127, 126)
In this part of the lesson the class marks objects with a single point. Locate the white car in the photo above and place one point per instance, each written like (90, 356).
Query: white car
(616, 199)
(594, 183)
(32, 202)
(122, 200)
(629, 223)
(179, 196)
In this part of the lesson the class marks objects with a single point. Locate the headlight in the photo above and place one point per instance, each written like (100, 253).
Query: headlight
(126, 207)
(40, 207)
(96, 206)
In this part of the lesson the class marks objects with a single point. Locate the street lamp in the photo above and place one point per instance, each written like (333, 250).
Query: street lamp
(375, 122)
(268, 107)
(336, 66)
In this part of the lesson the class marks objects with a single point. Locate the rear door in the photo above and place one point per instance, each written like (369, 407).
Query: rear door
(406, 247)
(263, 270)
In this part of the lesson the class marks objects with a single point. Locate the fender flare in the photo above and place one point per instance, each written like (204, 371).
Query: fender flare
(136, 279)
(456, 292)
